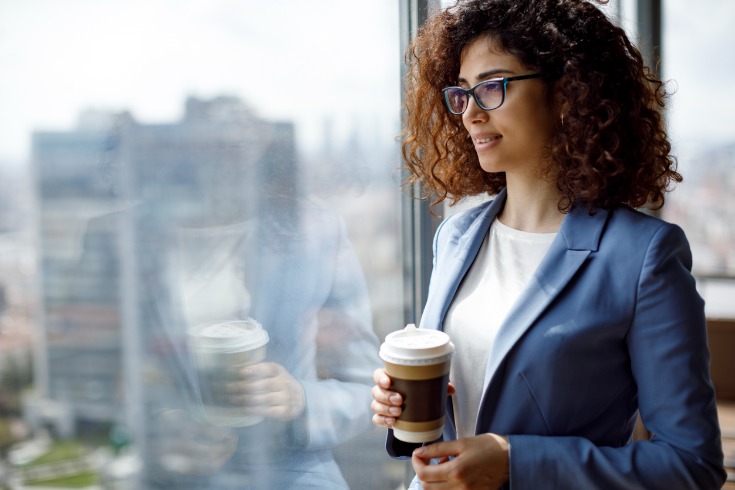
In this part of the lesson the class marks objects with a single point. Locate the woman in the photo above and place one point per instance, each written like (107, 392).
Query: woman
(572, 313)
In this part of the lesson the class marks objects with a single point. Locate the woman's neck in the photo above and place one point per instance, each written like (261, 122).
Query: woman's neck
(532, 205)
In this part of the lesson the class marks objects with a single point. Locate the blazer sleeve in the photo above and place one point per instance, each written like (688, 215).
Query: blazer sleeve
(670, 363)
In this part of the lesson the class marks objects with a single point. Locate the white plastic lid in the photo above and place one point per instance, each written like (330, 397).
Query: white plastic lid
(229, 336)
(416, 346)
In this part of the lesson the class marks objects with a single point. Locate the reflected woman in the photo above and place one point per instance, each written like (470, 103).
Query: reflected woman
(219, 232)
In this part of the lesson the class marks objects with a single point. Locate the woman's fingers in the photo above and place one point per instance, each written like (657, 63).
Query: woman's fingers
(386, 404)
(380, 391)
(381, 421)
(385, 410)
(381, 378)
(385, 413)
(386, 397)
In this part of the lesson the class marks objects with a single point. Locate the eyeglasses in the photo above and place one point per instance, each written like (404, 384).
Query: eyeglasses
(489, 94)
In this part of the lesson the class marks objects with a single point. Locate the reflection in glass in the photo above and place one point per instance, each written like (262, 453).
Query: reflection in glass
(147, 229)
(207, 223)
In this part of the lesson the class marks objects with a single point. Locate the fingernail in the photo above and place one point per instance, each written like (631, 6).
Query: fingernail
(394, 410)
(419, 451)
(395, 399)
(385, 381)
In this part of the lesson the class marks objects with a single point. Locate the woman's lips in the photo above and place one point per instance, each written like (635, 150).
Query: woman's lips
(485, 142)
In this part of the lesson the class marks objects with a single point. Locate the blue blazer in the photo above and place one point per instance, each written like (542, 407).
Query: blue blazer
(610, 326)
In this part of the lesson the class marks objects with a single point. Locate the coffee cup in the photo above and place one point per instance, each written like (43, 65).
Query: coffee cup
(218, 350)
(417, 360)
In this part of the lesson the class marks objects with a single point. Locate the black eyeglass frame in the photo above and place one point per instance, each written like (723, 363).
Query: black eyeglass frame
(471, 91)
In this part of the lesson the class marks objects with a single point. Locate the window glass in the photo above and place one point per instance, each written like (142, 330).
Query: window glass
(200, 242)
(703, 133)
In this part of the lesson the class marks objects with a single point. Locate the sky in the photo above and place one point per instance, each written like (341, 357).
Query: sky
(307, 61)
(699, 65)
(293, 60)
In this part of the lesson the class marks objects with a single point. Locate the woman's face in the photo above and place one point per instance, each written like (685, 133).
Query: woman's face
(513, 138)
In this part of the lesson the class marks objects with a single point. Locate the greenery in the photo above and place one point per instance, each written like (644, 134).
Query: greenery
(63, 451)
(80, 480)
(60, 451)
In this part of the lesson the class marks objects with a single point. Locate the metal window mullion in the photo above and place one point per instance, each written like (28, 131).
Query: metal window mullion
(418, 223)
(649, 24)
(649, 33)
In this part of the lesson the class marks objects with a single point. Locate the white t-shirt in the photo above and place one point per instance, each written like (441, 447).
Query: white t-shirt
(505, 263)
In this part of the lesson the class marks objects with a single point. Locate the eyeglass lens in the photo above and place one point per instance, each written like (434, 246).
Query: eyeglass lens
(488, 95)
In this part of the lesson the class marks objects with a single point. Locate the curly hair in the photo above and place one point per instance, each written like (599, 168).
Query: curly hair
(609, 148)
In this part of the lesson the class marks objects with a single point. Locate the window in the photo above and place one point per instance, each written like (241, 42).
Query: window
(702, 128)
(175, 164)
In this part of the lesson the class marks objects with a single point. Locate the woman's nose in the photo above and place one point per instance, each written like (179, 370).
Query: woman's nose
(474, 113)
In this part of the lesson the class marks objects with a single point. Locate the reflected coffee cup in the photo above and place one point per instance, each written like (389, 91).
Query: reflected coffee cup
(219, 350)
(417, 360)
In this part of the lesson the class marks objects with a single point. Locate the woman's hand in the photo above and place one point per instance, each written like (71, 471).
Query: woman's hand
(386, 404)
(468, 463)
(268, 390)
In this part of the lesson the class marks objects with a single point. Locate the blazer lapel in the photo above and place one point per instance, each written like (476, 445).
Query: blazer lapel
(578, 236)
(455, 261)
